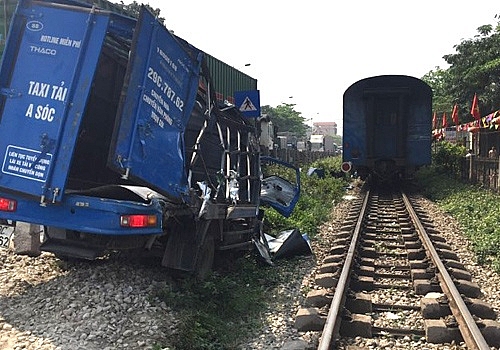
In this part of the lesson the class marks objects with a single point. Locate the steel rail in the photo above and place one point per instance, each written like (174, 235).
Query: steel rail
(333, 318)
(468, 327)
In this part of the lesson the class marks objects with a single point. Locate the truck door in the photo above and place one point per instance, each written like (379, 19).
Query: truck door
(280, 187)
(45, 77)
(162, 79)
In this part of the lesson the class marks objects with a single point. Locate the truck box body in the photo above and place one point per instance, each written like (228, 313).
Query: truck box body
(110, 129)
(227, 79)
(58, 123)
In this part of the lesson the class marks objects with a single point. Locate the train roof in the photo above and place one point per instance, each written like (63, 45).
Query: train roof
(397, 82)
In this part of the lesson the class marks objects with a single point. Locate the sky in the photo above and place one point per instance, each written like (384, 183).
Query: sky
(309, 52)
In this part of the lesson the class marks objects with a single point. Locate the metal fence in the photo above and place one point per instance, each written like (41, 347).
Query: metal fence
(481, 170)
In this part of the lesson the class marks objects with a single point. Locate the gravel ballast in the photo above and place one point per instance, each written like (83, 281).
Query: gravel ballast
(49, 304)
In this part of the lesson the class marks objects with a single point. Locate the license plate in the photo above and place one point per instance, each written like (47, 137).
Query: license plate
(6, 232)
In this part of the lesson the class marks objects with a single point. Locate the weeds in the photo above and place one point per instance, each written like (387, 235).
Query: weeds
(218, 312)
(474, 208)
(226, 308)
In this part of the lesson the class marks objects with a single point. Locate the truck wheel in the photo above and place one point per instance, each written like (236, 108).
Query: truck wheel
(205, 259)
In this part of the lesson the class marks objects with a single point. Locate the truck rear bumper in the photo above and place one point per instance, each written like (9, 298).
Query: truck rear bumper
(85, 214)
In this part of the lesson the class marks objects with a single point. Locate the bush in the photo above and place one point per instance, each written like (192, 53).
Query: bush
(448, 157)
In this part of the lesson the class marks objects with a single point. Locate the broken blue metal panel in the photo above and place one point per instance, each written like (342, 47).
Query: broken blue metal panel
(159, 100)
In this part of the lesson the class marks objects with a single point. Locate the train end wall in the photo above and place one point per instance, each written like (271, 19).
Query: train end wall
(387, 118)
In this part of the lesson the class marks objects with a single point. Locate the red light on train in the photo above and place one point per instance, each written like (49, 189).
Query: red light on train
(346, 167)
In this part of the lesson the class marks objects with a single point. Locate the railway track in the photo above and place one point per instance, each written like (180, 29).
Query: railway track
(391, 275)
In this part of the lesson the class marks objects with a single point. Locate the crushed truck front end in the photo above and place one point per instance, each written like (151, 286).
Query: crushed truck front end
(119, 141)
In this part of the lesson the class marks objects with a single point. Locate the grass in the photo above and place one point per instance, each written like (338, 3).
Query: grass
(228, 307)
(475, 208)
(217, 313)
(223, 311)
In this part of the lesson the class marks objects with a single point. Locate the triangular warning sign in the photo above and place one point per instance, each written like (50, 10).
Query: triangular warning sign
(247, 105)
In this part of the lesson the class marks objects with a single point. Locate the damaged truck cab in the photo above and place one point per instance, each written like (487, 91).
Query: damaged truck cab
(112, 139)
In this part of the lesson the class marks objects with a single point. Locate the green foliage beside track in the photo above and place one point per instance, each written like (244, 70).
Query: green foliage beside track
(220, 311)
(476, 210)
(230, 305)
(448, 157)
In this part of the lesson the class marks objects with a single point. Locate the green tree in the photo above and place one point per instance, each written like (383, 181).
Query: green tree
(337, 139)
(474, 69)
(441, 102)
(286, 118)
(134, 8)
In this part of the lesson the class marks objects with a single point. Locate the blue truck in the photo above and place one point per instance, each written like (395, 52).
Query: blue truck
(111, 138)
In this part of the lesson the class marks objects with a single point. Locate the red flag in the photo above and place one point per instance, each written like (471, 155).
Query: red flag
(434, 120)
(445, 123)
(454, 114)
(475, 108)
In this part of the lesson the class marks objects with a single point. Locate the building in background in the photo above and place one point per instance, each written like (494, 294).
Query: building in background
(325, 128)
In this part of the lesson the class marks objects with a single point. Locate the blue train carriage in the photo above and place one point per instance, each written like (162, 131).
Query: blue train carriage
(387, 126)
(118, 143)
